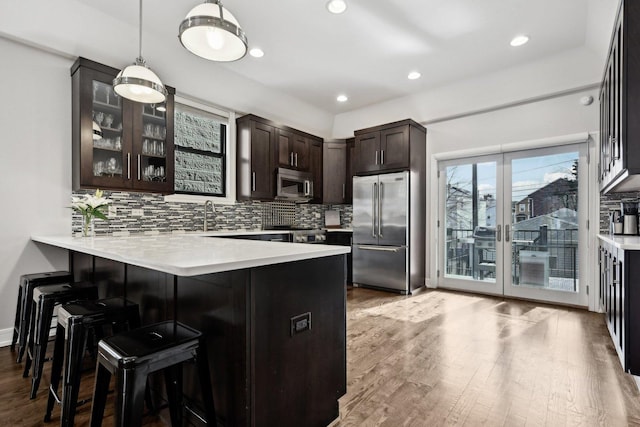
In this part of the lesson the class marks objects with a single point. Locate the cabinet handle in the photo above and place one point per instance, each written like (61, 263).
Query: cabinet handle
(376, 157)
(499, 233)
(382, 157)
(291, 158)
(138, 167)
(344, 191)
(253, 181)
(295, 156)
(506, 233)
(128, 165)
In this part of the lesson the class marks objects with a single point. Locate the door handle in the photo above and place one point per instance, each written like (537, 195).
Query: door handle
(373, 210)
(379, 248)
(380, 211)
(499, 233)
(506, 233)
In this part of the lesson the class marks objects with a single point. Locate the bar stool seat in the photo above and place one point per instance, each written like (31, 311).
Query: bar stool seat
(132, 356)
(75, 321)
(45, 298)
(28, 282)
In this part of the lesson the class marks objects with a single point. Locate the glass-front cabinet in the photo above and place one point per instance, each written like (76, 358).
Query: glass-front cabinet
(118, 144)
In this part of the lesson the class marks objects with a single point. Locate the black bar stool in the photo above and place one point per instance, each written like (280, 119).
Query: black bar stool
(75, 321)
(45, 298)
(28, 282)
(132, 356)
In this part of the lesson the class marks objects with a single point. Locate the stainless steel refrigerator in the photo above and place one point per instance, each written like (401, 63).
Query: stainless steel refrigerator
(388, 232)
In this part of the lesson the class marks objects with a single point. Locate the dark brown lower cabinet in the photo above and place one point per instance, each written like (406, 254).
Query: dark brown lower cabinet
(275, 335)
(620, 299)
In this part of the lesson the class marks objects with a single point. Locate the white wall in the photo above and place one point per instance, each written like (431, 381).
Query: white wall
(35, 166)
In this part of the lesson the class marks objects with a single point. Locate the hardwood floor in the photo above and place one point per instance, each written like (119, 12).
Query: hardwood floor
(443, 358)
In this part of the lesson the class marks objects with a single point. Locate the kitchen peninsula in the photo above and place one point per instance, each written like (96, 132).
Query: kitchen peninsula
(274, 315)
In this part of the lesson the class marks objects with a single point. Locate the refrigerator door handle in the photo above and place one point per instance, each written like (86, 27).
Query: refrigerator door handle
(380, 211)
(380, 248)
(499, 233)
(373, 210)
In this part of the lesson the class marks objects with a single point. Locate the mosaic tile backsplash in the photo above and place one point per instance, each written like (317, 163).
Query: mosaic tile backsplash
(612, 201)
(163, 217)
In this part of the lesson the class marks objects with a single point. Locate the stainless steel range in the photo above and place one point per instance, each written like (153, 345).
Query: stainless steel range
(300, 234)
(308, 236)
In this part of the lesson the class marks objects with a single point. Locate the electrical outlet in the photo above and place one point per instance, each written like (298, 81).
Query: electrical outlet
(137, 212)
(113, 211)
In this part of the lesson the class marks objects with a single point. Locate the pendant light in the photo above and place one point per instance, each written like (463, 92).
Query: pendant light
(137, 82)
(212, 32)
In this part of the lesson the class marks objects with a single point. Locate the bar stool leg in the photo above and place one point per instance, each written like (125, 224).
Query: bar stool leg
(204, 376)
(56, 370)
(16, 323)
(76, 345)
(131, 385)
(100, 390)
(173, 382)
(43, 324)
(30, 343)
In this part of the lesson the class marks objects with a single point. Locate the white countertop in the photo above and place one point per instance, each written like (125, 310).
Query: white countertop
(191, 254)
(621, 242)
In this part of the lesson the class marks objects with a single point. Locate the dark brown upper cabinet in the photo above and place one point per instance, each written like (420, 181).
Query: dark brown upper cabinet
(387, 148)
(264, 146)
(620, 105)
(335, 173)
(315, 167)
(293, 150)
(135, 152)
(255, 158)
(351, 158)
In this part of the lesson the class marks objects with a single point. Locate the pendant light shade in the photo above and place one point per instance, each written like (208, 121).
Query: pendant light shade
(212, 32)
(137, 82)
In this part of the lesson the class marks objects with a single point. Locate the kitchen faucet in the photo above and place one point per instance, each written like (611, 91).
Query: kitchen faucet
(213, 211)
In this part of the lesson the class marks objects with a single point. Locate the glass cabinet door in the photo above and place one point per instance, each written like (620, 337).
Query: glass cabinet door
(153, 147)
(108, 159)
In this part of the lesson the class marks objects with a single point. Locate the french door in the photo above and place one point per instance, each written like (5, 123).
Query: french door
(515, 224)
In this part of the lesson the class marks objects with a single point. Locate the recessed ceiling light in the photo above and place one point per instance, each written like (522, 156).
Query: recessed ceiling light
(256, 52)
(414, 75)
(342, 98)
(519, 40)
(336, 6)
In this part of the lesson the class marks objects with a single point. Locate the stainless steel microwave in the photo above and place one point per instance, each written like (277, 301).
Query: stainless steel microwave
(294, 185)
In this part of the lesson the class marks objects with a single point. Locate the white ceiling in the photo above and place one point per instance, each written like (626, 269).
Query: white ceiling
(367, 52)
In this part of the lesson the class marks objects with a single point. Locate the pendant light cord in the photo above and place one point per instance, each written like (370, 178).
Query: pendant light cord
(140, 36)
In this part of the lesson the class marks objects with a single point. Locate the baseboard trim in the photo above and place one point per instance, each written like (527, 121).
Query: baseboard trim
(5, 337)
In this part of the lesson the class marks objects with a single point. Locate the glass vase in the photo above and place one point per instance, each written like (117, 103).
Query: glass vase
(87, 226)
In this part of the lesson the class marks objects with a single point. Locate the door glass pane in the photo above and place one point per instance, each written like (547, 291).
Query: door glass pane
(544, 201)
(154, 133)
(470, 221)
(107, 131)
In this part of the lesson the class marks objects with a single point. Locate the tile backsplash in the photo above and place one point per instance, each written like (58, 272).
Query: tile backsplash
(612, 201)
(163, 217)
